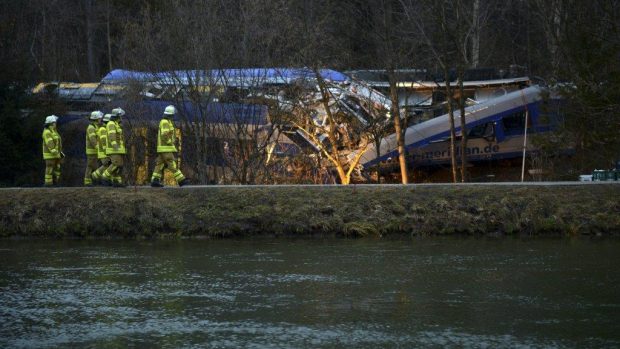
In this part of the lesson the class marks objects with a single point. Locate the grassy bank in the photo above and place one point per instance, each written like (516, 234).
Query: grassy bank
(332, 211)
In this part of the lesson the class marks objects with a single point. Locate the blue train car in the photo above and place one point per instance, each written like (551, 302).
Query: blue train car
(496, 129)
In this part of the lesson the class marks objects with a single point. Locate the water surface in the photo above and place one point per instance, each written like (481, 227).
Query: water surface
(435, 292)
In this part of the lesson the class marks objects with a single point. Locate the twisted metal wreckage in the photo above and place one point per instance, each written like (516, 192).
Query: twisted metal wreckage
(317, 110)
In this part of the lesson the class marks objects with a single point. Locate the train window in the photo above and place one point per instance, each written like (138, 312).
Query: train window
(482, 131)
(514, 123)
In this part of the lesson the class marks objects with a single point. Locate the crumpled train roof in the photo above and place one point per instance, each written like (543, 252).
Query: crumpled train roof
(229, 76)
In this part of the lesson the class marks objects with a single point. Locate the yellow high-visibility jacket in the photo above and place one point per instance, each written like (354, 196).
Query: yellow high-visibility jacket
(91, 139)
(166, 137)
(52, 144)
(102, 143)
(116, 141)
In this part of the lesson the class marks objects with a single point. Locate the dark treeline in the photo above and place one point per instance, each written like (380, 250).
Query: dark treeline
(81, 40)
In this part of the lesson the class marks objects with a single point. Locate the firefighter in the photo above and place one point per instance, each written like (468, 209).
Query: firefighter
(166, 147)
(52, 151)
(115, 149)
(102, 141)
(91, 147)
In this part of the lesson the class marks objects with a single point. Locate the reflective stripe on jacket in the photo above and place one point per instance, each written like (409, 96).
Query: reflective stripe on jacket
(102, 136)
(116, 142)
(52, 144)
(91, 140)
(166, 137)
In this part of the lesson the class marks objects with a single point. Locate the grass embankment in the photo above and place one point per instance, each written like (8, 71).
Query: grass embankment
(292, 211)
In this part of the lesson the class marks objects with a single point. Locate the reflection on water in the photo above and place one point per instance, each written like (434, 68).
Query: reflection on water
(487, 293)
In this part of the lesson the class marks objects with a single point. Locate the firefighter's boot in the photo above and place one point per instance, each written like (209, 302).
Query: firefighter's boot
(155, 183)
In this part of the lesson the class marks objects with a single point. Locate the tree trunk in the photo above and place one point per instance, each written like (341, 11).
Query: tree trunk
(450, 98)
(475, 37)
(378, 152)
(90, 40)
(109, 37)
(345, 177)
(551, 15)
(463, 127)
(398, 129)
(554, 35)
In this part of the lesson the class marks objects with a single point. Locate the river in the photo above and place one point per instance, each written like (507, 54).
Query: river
(311, 293)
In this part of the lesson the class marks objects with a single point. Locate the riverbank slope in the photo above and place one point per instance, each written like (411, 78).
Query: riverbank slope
(310, 210)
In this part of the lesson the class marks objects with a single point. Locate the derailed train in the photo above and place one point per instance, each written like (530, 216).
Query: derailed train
(256, 99)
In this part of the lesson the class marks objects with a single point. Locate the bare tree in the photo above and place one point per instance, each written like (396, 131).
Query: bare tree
(431, 21)
(451, 32)
(333, 132)
(393, 50)
(217, 105)
(552, 14)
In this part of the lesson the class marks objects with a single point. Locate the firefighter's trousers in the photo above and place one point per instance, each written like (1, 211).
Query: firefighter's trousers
(98, 174)
(52, 171)
(113, 172)
(91, 167)
(166, 161)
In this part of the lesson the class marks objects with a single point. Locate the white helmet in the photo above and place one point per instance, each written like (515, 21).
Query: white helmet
(51, 119)
(107, 117)
(118, 112)
(170, 110)
(96, 115)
